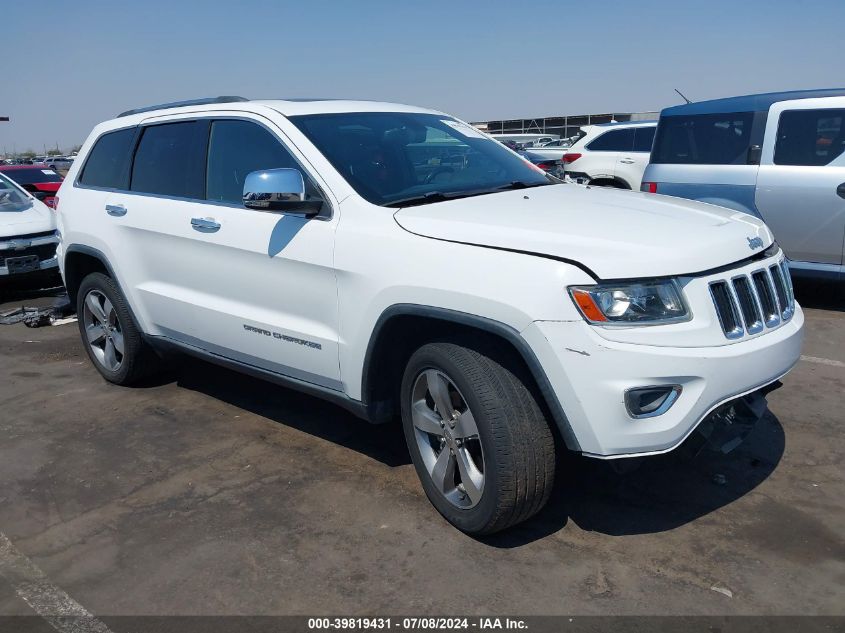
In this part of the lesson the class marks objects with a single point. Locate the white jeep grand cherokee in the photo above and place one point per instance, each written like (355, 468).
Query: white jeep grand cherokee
(398, 262)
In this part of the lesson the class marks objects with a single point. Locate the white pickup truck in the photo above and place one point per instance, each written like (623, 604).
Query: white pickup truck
(400, 263)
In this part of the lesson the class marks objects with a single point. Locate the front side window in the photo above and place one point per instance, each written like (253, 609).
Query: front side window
(237, 148)
(809, 137)
(108, 162)
(703, 139)
(396, 158)
(170, 160)
(643, 138)
(12, 198)
(613, 141)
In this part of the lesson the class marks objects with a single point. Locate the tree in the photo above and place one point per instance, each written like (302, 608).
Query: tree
(53, 152)
(27, 154)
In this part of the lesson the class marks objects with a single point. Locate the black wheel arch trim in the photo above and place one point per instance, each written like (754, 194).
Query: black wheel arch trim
(90, 251)
(487, 325)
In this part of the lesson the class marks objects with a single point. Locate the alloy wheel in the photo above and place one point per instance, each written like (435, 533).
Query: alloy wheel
(103, 331)
(447, 438)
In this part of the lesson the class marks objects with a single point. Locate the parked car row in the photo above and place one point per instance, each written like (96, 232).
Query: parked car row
(54, 162)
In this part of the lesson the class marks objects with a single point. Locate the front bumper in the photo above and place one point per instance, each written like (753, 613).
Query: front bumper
(590, 375)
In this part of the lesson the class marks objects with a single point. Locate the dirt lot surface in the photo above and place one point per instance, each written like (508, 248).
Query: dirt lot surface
(207, 492)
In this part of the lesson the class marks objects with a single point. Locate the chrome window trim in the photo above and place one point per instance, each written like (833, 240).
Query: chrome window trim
(212, 116)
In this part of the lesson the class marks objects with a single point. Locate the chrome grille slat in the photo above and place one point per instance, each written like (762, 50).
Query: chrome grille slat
(726, 309)
(766, 292)
(750, 303)
(749, 307)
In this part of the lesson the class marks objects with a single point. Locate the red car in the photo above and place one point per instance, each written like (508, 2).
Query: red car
(39, 180)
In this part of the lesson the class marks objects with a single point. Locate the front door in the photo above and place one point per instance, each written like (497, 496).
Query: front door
(252, 286)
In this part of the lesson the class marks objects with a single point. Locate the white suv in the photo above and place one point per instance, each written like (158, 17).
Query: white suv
(398, 262)
(611, 154)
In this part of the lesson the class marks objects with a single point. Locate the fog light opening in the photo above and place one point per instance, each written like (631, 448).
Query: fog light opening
(648, 402)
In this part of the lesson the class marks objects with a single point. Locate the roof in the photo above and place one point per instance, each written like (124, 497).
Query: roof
(287, 107)
(749, 103)
(622, 123)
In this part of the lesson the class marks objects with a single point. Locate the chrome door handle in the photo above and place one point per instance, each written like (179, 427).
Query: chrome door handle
(117, 210)
(627, 161)
(205, 225)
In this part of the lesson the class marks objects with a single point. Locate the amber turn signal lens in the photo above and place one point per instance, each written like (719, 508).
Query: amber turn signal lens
(587, 306)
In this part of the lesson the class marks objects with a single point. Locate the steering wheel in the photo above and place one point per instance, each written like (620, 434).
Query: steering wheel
(437, 171)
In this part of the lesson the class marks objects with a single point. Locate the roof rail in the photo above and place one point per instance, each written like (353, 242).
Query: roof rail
(179, 104)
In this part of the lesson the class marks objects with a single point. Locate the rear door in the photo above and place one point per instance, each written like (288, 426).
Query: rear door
(801, 181)
(605, 152)
(632, 164)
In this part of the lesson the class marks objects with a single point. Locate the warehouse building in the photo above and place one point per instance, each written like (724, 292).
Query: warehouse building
(563, 126)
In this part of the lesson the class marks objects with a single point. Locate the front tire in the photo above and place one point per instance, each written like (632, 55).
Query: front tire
(480, 443)
(112, 340)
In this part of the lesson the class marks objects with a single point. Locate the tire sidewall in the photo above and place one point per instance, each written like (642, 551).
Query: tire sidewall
(466, 519)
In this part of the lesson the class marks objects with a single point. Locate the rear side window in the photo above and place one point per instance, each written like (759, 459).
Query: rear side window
(170, 160)
(108, 162)
(643, 138)
(704, 139)
(235, 149)
(809, 137)
(613, 141)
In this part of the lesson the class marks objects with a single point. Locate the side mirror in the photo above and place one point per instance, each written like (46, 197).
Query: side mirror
(279, 191)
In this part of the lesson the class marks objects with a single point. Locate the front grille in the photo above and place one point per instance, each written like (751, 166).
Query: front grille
(28, 236)
(43, 251)
(747, 304)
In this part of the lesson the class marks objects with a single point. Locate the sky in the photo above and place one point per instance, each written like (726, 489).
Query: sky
(69, 65)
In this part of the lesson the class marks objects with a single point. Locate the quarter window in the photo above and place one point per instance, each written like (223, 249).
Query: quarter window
(237, 148)
(170, 160)
(108, 162)
(809, 137)
(613, 141)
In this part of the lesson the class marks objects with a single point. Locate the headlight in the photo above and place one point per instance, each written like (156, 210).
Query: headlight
(646, 303)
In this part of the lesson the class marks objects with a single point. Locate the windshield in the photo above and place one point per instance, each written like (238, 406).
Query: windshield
(393, 158)
(12, 198)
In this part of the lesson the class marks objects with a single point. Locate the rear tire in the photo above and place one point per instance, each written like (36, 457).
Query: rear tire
(491, 462)
(110, 336)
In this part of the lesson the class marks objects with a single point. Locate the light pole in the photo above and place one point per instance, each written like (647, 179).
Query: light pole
(4, 119)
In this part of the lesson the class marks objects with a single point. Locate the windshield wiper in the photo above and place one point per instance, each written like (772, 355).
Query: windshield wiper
(519, 184)
(432, 196)
(439, 196)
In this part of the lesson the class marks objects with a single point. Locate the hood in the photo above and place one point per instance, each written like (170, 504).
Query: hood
(615, 234)
(37, 218)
